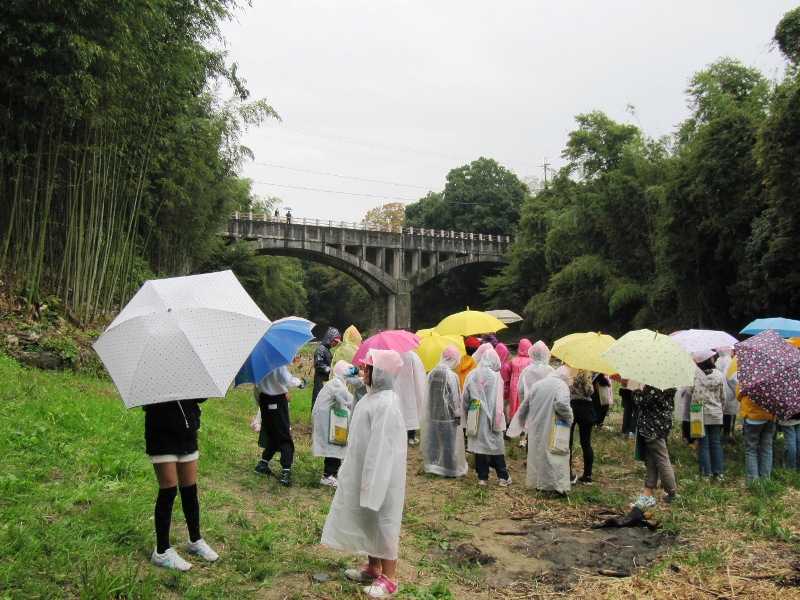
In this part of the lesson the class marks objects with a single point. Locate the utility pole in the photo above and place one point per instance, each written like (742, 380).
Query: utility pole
(545, 165)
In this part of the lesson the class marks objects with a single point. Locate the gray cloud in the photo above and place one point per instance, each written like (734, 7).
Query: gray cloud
(405, 91)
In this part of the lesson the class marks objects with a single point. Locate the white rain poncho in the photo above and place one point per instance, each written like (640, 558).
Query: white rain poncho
(410, 387)
(723, 365)
(442, 437)
(543, 401)
(367, 510)
(485, 385)
(539, 368)
(334, 394)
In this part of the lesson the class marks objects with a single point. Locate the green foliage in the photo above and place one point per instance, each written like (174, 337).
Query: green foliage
(787, 35)
(335, 299)
(274, 282)
(696, 230)
(116, 156)
(482, 196)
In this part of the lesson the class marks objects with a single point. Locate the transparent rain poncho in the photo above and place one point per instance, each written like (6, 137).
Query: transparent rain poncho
(723, 365)
(367, 510)
(334, 394)
(351, 340)
(485, 385)
(442, 438)
(410, 387)
(538, 369)
(544, 401)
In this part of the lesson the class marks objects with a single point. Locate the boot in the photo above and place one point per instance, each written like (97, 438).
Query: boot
(286, 477)
(262, 468)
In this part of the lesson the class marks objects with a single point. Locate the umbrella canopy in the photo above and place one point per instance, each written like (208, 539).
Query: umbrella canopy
(394, 339)
(785, 327)
(506, 316)
(276, 348)
(180, 338)
(432, 345)
(584, 351)
(469, 322)
(651, 358)
(769, 372)
(703, 340)
(345, 351)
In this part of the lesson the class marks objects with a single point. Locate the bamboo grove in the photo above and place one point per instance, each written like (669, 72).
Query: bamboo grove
(116, 158)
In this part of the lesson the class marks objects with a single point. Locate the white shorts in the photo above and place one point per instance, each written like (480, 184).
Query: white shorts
(176, 458)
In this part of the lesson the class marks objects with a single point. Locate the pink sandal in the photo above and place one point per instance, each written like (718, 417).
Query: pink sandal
(382, 587)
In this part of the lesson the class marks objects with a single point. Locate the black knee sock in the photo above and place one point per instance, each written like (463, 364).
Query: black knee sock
(191, 510)
(163, 517)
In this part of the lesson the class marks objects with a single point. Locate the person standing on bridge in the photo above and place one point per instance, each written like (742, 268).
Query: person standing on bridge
(322, 360)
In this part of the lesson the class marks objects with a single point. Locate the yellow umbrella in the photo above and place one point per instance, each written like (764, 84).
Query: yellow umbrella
(345, 351)
(469, 322)
(651, 358)
(432, 345)
(584, 350)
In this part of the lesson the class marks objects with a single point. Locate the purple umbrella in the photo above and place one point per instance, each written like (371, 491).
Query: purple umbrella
(769, 372)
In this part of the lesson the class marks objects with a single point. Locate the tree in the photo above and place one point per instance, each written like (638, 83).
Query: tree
(481, 197)
(390, 216)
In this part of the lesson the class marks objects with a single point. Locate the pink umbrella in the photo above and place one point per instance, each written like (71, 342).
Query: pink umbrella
(769, 372)
(395, 339)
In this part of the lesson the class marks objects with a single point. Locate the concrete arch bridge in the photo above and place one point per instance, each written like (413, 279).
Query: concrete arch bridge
(389, 263)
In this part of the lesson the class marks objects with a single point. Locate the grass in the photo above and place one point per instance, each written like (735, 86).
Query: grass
(77, 492)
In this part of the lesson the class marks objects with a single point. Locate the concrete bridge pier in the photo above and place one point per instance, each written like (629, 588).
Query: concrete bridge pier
(392, 311)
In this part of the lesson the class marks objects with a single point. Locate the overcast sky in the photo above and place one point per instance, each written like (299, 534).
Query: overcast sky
(402, 92)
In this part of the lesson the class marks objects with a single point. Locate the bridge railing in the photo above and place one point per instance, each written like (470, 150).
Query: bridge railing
(422, 232)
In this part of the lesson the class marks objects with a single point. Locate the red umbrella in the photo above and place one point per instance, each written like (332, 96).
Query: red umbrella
(769, 372)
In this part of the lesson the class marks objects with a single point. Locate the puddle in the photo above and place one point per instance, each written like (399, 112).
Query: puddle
(560, 554)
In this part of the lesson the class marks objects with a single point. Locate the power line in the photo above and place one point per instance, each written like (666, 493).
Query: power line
(371, 144)
(342, 192)
(313, 189)
(340, 176)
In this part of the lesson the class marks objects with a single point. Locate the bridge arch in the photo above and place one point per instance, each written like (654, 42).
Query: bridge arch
(389, 264)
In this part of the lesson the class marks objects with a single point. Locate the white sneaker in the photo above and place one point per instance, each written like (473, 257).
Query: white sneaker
(482, 482)
(170, 559)
(329, 480)
(504, 482)
(203, 550)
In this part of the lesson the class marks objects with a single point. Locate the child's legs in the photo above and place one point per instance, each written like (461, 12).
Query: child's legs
(765, 450)
(482, 466)
(751, 451)
(332, 465)
(498, 461)
(389, 568)
(716, 455)
(704, 453)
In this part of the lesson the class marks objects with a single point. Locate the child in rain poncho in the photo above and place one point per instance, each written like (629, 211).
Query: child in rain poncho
(333, 395)
(543, 400)
(442, 439)
(483, 394)
(410, 387)
(538, 369)
(514, 369)
(367, 510)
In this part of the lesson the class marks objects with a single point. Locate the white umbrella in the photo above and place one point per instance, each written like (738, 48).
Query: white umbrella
(182, 337)
(703, 340)
(506, 316)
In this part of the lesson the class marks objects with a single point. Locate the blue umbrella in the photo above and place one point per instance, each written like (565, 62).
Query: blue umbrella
(277, 348)
(785, 327)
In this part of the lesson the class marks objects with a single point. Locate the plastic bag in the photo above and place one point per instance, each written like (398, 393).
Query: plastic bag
(559, 436)
(339, 426)
(696, 428)
(473, 417)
